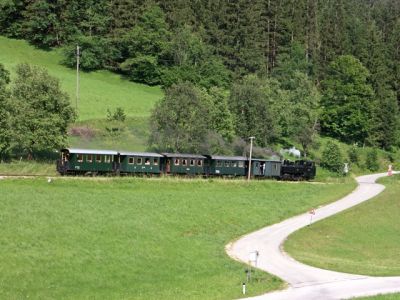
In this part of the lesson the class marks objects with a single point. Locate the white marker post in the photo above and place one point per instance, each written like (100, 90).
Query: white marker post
(312, 213)
(244, 288)
(390, 171)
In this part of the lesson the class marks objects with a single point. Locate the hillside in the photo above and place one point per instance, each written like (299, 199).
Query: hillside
(99, 91)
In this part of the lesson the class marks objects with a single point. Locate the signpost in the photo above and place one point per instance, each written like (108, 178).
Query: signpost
(254, 257)
(312, 213)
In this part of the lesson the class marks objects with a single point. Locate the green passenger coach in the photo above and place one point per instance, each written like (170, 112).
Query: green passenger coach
(177, 163)
(140, 162)
(227, 165)
(83, 161)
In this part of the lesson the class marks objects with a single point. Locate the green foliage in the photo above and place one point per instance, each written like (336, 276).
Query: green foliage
(191, 119)
(252, 103)
(180, 121)
(291, 61)
(5, 117)
(354, 155)
(371, 161)
(118, 115)
(221, 118)
(193, 60)
(41, 111)
(142, 68)
(146, 45)
(94, 53)
(348, 101)
(332, 158)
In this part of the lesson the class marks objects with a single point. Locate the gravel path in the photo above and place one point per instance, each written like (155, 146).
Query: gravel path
(306, 282)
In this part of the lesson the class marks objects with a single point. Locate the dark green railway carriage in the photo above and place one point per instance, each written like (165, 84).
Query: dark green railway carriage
(226, 165)
(266, 168)
(82, 161)
(140, 162)
(177, 163)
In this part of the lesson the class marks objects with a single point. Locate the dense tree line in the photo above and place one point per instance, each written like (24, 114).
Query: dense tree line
(296, 66)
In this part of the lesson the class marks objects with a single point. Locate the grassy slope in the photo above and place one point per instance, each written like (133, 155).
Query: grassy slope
(99, 90)
(138, 239)
(362, 240)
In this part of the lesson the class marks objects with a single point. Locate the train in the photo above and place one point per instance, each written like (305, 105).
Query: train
(121, 163)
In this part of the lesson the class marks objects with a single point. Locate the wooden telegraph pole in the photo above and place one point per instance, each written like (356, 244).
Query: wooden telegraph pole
(77, 78)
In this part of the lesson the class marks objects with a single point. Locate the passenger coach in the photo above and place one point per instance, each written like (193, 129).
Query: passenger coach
(84, 161)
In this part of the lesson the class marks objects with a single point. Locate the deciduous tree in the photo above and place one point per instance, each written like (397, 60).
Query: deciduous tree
(41, 110)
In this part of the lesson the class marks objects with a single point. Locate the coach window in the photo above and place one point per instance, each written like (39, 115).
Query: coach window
(241, 164)
(98, 158)
(89, 158)
(227, 164)
(176, 162)
(184, 162)
(155, 161)
(147, 161)
(107, 158)
(79, 157)
(139, 161)
(199, 163)
(192, 162)
(219, 163)
(131, 160)
(234, 164)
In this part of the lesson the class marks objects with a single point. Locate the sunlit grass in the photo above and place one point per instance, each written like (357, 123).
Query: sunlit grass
(98, 90)
(135, 238)
(362, 240)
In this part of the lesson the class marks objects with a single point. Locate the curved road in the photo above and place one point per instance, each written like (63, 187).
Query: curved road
(306, 282)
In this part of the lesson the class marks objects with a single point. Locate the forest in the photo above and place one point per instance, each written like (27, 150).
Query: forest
(279, 70)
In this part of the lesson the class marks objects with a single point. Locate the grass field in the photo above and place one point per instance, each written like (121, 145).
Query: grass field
(98, 90)
(362, 240)
(134, 238)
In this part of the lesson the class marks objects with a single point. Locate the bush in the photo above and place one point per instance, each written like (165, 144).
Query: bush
(332, 159)
(144, 69)
(371, 161)
(93, 53)
(353, 154)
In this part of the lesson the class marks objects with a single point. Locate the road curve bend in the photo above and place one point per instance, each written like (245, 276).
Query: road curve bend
(307, 282)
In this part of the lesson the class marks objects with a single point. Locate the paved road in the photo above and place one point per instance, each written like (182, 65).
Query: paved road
(306, 282)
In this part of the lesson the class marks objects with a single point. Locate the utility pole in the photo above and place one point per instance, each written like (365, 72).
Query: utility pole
(77, 77)
(251, 150)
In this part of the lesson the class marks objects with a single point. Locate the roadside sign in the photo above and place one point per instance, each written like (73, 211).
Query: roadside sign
(312, 213)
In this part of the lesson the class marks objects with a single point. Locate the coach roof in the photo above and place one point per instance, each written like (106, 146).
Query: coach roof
(90, 151)
(150, 154)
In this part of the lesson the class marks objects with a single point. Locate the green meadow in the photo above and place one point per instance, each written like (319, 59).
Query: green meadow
(134, 238)
(362, 240)
(99, 91)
